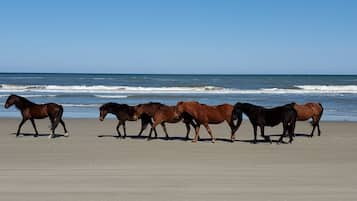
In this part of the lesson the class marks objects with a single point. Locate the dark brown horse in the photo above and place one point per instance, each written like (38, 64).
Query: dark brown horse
(162, 114)
(261, 117)
(204, 114)
(124, 113)
(310, 110)
(31, 111)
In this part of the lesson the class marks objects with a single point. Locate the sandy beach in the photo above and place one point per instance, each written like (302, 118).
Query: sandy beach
(93, 165)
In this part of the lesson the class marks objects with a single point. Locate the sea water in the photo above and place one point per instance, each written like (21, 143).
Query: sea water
(82, 94)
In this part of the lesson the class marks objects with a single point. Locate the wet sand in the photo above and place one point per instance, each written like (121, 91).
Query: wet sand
(92, 164)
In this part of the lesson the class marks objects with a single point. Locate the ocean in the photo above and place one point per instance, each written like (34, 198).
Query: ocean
(82, 94)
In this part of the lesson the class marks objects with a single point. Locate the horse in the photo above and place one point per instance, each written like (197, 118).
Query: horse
(123, 112)
(205, 114)
(310, 110)
(31, 111)
(147, 110)
(162, 114)
(260, 116)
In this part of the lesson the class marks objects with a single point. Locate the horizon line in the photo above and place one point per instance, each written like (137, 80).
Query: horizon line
(223, 74)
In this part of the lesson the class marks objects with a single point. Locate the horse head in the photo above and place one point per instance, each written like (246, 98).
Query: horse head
(103, 111)
(11, 100)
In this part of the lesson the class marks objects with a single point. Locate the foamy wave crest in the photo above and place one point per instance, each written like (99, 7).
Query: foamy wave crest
(119, 90)
(107, 89)
(329, 88)
(30, 95)
(111, 96)
(80, 105)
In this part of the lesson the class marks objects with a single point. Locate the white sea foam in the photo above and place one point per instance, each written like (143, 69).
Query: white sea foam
(80, 105)
(30, 95)
(102, 89)
(111, 96)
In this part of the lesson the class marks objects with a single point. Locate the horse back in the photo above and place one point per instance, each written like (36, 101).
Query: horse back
(308, 110)
(40, 111)
(216, 114)
(167, 114)
(279, 114)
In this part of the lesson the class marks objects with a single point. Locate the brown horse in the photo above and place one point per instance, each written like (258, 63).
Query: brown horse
(204, 114)
(162, 114)
(31, 111)
(310, 110)
(147, 110)
(124, 113)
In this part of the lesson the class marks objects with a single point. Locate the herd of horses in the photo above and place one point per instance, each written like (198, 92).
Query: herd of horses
(192, 113)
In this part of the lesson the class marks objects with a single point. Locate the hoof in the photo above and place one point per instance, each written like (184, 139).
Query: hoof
(35, 135)
(194, 141)
(50, 136)
(66, 135)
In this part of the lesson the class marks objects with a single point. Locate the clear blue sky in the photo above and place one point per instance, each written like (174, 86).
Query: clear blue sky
(179, 36)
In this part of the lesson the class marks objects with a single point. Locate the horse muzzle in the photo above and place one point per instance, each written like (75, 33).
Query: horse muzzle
(101, 119)
(6, 106)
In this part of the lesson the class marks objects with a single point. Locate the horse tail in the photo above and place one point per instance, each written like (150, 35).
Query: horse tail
(58, 117)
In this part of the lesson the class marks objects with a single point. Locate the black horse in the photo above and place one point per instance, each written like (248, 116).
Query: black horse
(31, 111)
(260, 116)
(124, 113)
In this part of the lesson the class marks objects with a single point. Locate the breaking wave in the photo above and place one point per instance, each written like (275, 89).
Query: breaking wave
(103, 89)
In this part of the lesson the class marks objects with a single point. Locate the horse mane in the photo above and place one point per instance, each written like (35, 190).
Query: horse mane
(155, 103)
(113, 105)
(24, 101)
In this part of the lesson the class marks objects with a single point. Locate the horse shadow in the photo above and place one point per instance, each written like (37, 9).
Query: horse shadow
(274, 140)
(174, 138)
(39, 135)
(295, 135)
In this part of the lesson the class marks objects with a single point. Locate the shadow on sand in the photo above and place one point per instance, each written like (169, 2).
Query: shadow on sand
(39, 135)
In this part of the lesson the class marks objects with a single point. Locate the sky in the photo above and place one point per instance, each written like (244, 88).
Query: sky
(206, 37)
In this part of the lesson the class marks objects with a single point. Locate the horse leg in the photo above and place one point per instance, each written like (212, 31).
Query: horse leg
(117, 128)
(188, 128)
(197, 129)
(153, 128)
(285, 128)
(291, 132)
(124, 129)
(194, 126)
(255, 134)
(144, 125)
(34, 127)
(266, 138)
(165, 130)
(210, 132)
(318, 128)
(53, 126)
(233, 130)
(313, 129)
(66, 134)
(20, 125)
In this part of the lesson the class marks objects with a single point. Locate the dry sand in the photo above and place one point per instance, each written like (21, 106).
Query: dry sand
(87, 167)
